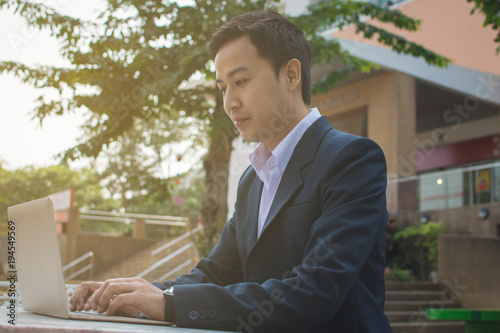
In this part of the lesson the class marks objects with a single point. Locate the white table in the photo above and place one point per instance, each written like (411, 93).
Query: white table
(30, 322)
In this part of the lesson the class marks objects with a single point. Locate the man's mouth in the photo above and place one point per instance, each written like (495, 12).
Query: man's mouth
(238, 122)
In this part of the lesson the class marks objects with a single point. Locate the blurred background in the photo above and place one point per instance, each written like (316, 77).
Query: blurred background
(111, 107)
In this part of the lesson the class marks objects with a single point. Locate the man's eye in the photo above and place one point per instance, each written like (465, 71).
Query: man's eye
(240, 82)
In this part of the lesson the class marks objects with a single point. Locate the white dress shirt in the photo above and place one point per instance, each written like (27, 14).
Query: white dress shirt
(270, 166)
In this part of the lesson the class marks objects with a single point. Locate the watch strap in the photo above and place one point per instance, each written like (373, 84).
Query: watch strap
(169, 305)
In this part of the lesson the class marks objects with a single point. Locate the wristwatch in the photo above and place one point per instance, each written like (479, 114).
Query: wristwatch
(169, 304)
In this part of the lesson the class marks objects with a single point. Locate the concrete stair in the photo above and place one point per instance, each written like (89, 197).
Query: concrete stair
(133, 266)
(406, 304)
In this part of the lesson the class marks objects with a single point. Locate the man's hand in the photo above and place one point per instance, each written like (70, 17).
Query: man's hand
(78, 301)
(125, 297)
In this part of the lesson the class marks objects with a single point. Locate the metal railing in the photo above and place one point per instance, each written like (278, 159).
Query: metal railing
(175, 270)
(89, 255)
(131, 217)
(445, 189)
(171, 256)
(176, 240)
(160, 262)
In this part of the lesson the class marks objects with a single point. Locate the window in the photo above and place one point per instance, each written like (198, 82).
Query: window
(459, 187)
(482, 186)
(432, 191)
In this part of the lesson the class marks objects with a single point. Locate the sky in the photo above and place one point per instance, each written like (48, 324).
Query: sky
(23, 141)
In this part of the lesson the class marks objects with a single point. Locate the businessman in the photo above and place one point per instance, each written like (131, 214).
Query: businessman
(305, 248)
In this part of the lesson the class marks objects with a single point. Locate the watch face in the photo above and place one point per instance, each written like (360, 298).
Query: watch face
(169, 291)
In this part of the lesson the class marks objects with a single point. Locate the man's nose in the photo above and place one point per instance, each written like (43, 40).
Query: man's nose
(231, 101)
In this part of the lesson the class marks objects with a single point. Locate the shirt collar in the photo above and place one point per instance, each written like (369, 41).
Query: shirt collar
(284, 150)
(258, 158)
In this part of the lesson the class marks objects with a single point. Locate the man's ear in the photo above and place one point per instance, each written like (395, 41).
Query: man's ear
(293, 74)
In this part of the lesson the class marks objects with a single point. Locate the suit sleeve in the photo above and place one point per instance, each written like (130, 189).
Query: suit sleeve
(221, 267)
(348, 231)
(218, 269)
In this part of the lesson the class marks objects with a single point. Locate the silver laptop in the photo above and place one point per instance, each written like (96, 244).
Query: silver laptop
(39, 268)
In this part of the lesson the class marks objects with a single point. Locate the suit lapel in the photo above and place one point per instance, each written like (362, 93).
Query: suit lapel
(292, 180)
(254, 195)
(290, 183)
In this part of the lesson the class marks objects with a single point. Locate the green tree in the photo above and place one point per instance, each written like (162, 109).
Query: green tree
(135, 168)
(491, 8)
(31, 183)
(187, 191)
(142, 59)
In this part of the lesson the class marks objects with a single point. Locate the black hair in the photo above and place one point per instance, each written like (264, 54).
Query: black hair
(276, 39)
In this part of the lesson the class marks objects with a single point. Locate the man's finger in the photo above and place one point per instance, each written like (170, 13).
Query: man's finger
(117, 302)
(81, 294)
(73, 304)
(142, 297)
(111, 288)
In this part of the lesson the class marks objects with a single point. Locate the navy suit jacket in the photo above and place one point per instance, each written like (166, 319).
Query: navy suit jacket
(318, 265)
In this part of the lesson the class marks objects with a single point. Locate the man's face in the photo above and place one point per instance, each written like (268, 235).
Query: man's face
(254, 98)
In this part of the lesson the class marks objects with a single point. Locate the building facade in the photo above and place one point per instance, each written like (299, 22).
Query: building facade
(439, 127)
